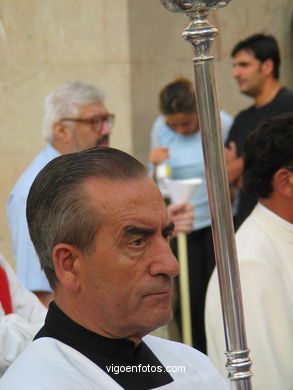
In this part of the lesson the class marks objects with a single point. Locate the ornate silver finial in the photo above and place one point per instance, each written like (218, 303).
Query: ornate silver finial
(192, 5)
(200, 34)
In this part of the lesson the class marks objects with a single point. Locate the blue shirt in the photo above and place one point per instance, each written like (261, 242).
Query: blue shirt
(186, 161)
(28, 267)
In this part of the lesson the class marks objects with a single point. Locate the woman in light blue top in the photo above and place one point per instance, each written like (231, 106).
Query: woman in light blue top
(176, 141)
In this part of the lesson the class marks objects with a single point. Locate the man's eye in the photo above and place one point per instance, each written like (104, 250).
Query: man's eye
(138, 242)
(167, 235)
(97, 122)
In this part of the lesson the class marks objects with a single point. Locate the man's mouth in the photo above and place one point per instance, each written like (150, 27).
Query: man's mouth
(241, 81)
(103, 141)
(162, 292)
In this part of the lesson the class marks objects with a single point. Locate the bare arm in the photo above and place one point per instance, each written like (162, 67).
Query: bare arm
(158, 155)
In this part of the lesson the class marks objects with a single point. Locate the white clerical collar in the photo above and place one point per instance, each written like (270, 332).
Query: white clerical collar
(275, 216)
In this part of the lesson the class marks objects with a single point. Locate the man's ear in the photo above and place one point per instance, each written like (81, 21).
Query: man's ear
(66, 259)
(268, 67)
(61, 132)
(283, 182)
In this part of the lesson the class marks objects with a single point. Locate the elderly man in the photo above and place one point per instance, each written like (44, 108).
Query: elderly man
(265, 250)
(75, 118)
(256, 63)
(100, 227)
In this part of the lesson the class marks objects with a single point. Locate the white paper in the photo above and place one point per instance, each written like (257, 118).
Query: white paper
(182, 190)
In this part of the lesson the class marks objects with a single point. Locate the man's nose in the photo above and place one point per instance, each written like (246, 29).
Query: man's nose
(235, 72)
(164, 262)
(106, 129)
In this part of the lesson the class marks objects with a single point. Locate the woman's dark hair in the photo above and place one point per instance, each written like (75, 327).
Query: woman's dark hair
(178, 96)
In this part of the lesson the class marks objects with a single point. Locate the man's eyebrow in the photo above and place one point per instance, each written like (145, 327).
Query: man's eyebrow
(169, 229)
(132, 230)
(241, 63)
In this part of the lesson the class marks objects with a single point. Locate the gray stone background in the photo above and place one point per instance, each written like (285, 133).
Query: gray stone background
(131, 48)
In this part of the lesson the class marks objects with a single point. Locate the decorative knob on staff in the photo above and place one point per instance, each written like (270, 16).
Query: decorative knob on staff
(201, 35)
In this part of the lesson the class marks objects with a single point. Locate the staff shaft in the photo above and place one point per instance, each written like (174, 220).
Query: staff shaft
(184, 289)
(201, 36)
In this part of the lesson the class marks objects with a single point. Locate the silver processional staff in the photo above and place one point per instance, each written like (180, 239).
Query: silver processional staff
(200, 34)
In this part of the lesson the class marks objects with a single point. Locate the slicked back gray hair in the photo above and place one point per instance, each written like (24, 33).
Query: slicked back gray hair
(64, 102)
(58, 207)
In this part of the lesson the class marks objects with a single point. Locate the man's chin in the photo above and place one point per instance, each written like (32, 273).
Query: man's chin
(247, 91)
(156, 324)
(162, 318)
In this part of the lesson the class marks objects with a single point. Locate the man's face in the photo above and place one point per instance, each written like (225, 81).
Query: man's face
(248, 71)
(183, 123)
(127, 280)
(84, 135)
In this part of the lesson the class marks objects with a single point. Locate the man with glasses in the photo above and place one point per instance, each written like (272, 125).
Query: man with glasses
(75, 119)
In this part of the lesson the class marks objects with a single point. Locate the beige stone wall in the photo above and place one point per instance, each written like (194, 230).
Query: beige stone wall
(46, 43)
(131, 48)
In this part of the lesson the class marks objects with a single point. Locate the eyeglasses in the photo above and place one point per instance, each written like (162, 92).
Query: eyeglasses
(96, 123)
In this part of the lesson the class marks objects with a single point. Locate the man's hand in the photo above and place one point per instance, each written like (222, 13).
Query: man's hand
(158, 155)
(182, 215)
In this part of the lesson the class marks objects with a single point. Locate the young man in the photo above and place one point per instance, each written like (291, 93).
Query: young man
(265, 247)
(101, 229)
(256, 62)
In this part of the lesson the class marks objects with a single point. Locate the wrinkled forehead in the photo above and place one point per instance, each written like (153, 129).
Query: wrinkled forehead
(93, 108)
(107, 194)
(134, 202)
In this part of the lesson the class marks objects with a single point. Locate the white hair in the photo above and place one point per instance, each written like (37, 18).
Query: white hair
(64, 102)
